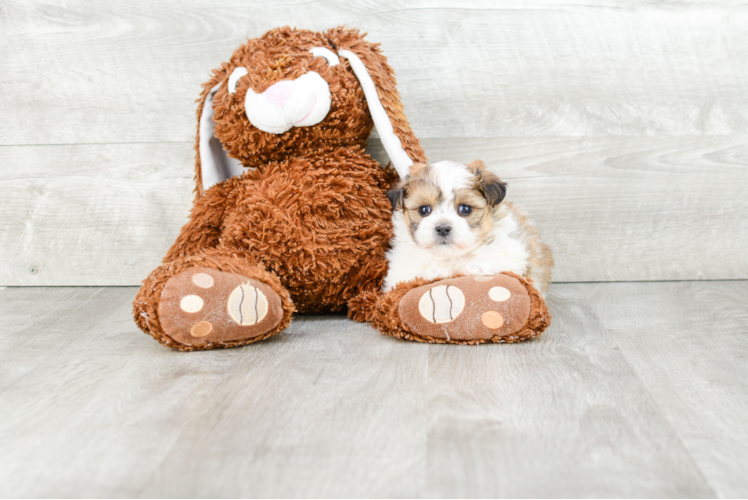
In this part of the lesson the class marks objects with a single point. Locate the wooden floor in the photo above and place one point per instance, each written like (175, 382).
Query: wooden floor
(637, 389)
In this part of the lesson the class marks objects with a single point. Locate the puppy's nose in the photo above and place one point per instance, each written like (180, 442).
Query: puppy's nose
(443, 230)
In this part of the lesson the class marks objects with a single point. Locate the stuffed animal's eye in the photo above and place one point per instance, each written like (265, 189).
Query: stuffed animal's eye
(424, 210)
(465, 210)
(329, 55)
(234, 78)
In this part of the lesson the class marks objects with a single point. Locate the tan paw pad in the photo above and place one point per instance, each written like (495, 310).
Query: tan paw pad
(499, 294)
(203, 280)
(201, 329)
(442, 304)
(247, 305)
(492, 320)
(191, 304)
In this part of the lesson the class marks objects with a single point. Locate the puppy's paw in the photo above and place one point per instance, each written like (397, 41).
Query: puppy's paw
(481, 268)
(435, 272)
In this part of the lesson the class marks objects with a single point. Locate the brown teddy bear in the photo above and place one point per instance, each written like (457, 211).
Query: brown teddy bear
(292, 215)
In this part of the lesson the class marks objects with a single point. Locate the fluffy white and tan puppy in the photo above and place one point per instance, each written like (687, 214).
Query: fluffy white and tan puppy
(450, 219)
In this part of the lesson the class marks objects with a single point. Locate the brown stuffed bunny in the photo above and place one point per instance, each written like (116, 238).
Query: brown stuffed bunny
(290, 213)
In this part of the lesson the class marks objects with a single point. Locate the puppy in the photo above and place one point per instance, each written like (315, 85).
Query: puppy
(450, 219)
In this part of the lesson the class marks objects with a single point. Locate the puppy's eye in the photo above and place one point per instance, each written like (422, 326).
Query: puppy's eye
(424, 210)
(465, 210)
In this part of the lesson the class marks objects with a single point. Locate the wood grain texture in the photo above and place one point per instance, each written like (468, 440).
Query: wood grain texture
(689, 343)
(616, 208)
(622, 129)
(562, 417)
(106, 411)
(94, 72)
(636, 390)
(90, 214)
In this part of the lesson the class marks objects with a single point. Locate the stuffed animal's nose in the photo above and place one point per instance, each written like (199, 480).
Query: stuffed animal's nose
(279, 93)
(443, 230)
(302, 102)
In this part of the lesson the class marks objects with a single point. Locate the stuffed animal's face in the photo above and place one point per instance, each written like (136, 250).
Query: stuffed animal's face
(292, 91)
(282, 90)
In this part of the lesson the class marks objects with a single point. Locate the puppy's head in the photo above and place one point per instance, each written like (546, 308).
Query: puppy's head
(448, 206)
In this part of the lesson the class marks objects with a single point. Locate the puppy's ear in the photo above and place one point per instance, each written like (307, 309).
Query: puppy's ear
(416, 169)
(396, 195)
(488, 184)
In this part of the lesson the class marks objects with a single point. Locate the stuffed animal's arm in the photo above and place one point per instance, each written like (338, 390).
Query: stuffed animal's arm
(204, 227)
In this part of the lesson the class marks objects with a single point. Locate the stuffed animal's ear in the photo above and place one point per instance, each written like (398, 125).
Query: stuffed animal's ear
(378, 81)
(213, 164)
(490, 186)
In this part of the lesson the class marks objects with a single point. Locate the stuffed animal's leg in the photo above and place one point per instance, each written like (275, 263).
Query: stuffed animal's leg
(213, 299)
(465, 310)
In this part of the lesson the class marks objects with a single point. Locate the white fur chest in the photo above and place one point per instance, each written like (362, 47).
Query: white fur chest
(407, 261)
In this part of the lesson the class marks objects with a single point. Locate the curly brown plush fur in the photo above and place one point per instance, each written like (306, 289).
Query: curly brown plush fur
(309, 217)
(283, 54)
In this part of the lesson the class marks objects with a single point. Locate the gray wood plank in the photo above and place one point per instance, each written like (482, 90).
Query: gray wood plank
(625, 395)
(335, 410)
(91, 214)
(612, 208)
(562, 416)
(656, 190)
(94, 72)
(110, 412)
(39, 323)
(688, 344)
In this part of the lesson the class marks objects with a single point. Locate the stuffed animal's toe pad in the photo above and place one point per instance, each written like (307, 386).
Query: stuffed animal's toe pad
(203, 305)
(247, 305)
(467, 308)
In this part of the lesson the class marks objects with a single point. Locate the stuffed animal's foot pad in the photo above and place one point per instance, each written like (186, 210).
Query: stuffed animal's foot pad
(247, 305)
(441, 304)
(203, 305)
(467, 308)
